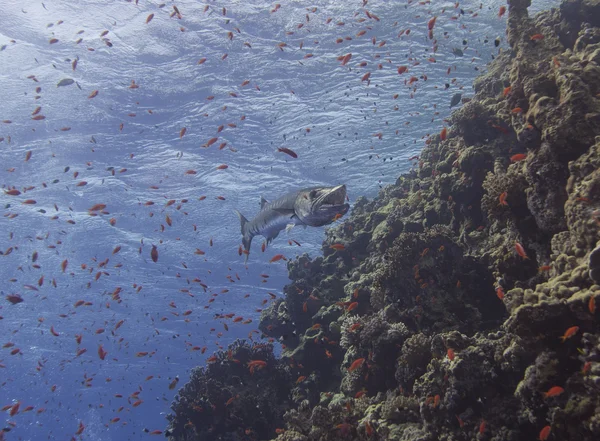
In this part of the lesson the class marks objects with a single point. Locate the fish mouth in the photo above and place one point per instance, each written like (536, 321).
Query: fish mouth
(335, 198)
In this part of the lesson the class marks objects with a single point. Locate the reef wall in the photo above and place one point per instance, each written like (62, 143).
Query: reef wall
(462, 304)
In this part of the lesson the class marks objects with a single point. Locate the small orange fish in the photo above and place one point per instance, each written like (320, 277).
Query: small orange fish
(210, 142)
(592, 305)
(101, 352)
(516, 110)
(222, 167)
(93, 94)
(570, 333)
(402, 69)
(345, 59)
(287, 151)
(97, 207)
(450, 354)
(182, 132)
(501, 11)
(500, 292)
(553, 392)
(352, 306)
(506, 91)
(544, 433)
(356, 364)
(443, 134)
(537, 37)
(277, 257)
(154, 253)
(149, 18)
(431, 23)
(520, 250)
(337, 247)
(502, 199)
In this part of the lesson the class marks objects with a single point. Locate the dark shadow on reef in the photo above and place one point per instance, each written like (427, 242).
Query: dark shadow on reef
(462, 304)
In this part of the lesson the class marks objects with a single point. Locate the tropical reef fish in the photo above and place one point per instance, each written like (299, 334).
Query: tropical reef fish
(314, 207)
(65, 82)
(457, 52)
(455, 99)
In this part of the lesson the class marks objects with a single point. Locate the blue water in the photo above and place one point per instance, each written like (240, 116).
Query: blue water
(359, 135)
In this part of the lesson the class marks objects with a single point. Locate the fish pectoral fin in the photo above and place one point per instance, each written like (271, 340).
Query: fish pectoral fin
(289, 227)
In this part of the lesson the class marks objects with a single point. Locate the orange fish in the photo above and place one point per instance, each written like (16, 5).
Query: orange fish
(337, 247)
(352, 306)
(287, 151)
(544, 433)
(149, 18)
(537, 37)
(501, 11)
(517, 110)
(356, 364)
(182, 132)
(222, 167)
(500, 292)
(518, 157)
(431, 23)
(443, 134)
(570, 333)
(450, 354)
(277, 257)
(402, 69)
(93, 94)
(97, 207)
(502, 198)
(553, 392)
(101, 352)
(210, 142)
(592, 305)
(154, 253)
(506, 91)
(520, 250)
(346, 58)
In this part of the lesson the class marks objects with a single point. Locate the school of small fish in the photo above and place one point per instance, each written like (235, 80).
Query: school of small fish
(72, 230)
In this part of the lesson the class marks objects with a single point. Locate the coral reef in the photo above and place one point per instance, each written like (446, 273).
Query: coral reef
(463, 303)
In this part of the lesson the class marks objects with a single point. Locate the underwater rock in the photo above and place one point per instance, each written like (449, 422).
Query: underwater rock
(463, 303)
(595, 265)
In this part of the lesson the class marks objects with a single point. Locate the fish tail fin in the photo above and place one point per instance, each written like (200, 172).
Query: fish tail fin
(246, 235)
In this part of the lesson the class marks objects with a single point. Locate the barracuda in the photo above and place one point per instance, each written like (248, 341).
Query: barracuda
(313, 207)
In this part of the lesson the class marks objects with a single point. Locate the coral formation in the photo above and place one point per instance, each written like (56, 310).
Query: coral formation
(463, 303)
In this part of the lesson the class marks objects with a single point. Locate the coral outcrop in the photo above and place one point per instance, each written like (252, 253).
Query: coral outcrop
(462, 304)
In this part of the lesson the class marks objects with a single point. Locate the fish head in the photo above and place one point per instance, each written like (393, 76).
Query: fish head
(320, 206)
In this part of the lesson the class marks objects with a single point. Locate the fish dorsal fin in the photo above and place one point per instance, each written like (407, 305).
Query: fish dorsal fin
(263, 202)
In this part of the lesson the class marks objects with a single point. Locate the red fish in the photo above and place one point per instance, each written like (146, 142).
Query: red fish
(431, 23)
(544, 433)
(287, 151)
(570, 333)
(443, 134)
(518, 157)
(520, 250)
(501, 11)
(553, 392)
(356, 364)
